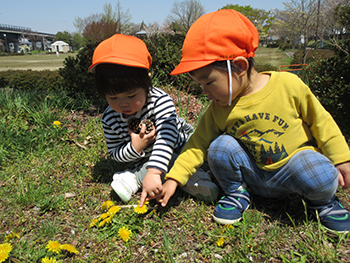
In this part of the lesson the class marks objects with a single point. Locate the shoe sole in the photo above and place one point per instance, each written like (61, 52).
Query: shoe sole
(118, 190)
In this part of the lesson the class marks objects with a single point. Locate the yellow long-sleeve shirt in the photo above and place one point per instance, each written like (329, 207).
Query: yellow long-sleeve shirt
(274, 123)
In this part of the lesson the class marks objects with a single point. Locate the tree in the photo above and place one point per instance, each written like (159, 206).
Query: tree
(78, 41)
(261, 18)
(183, 14)
(297, 23)
(63, 36)
(123, 19)
(342, 16)
(119, 18)
(96, 32)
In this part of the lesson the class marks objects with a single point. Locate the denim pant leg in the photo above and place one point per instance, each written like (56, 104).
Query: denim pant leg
(307, 173)
(230, 163)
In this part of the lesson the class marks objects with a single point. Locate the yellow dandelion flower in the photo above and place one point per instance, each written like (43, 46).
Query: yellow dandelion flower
(141, 210)
(54, 246)
(93, 222)
(3, 255)
(70, 248)
(104, 216)
(220, 242)
(107, 205)
(124, 233)
(102, 223)
(57, 124)
(114, 209)
(48, 260)
(12, 236)
(6, 247)
(107, 220)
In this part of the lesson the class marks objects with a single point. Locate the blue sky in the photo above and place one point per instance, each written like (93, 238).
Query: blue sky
(54, 16)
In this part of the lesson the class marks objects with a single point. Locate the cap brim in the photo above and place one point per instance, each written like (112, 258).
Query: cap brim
(187, 66)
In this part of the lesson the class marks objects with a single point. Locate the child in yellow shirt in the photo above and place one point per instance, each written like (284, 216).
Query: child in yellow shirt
(264, 133)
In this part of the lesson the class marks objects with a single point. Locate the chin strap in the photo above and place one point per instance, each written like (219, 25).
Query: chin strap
(229, 82)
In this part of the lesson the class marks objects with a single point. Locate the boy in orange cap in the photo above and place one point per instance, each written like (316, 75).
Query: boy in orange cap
(140, 125)
(265, 132)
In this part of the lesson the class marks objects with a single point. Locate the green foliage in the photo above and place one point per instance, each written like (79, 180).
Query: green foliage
(265, 67)
(26, 125)
(77, 78)
(63, 36)
(342, 15)
(311, 55)
(166, 54)
(329, 79)
(31, 80)
(261, 18)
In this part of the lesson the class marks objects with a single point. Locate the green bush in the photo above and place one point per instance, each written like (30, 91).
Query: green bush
(311, 55)
(166, 54)
(77, 78)
(165, 50)
(31, 80)
(329, 79)
(265, 67)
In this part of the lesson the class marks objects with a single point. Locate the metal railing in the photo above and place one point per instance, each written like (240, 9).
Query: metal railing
(14, 28)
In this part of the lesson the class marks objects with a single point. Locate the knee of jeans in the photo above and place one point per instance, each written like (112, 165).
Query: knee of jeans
(221, 149)
(323, 192)
(222, 142)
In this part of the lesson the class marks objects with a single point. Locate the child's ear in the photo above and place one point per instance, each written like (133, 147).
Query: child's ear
(243, 64)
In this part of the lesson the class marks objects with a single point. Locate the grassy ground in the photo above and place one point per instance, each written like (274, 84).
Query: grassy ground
(34, 62)
(273, 56)
(54, 180)
(264, 55)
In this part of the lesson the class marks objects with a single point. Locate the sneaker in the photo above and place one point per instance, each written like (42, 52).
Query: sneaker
(230, 207)
(201, 186)
(125, 185)
(334, 217)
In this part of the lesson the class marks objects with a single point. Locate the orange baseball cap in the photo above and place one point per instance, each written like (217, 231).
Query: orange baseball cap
(221, 35)
(123, 50)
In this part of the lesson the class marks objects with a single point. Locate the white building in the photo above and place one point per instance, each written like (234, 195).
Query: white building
(60, 46)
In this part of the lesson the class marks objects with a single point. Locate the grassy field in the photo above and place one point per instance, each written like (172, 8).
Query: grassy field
(263, 55)
(273, 56)
(55, 180)
(34, 62)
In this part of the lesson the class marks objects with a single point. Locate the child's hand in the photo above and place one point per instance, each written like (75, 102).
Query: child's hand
(151, 185)
(142, 140)
(344, 174)
(169, 188)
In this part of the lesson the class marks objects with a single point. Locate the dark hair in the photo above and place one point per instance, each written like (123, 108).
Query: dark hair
(222, 65)
(112, 79)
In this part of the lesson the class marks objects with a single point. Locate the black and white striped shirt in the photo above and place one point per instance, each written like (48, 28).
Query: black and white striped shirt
(171, 132)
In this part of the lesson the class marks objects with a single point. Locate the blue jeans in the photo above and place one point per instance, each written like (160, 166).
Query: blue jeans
(307, 173)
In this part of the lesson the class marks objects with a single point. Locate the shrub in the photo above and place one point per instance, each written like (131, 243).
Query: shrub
(165, 50)
(166, 54)
(265, 67)
(311, 55)
(77, 78)
(329, 79)
(31, 80)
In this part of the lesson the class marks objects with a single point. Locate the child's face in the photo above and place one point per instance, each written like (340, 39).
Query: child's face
(214, 83)
(127, 103)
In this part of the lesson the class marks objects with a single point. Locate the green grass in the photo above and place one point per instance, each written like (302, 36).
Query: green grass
(273, 56)
(53, 182)
(34, 62)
